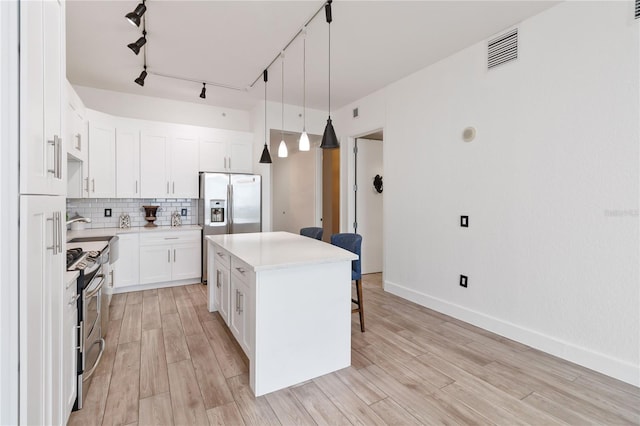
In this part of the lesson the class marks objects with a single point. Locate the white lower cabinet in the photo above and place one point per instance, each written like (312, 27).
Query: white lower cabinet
(126, 270)
(169, 256)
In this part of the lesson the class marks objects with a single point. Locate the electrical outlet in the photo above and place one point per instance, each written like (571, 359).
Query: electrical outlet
(463, 281)
(183, 212)
(464, 221)
(107, 212)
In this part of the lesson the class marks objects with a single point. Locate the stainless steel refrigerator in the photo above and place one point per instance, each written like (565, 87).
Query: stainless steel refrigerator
(229, 204)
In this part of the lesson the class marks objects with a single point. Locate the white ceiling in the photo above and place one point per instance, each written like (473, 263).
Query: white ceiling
(230, 42)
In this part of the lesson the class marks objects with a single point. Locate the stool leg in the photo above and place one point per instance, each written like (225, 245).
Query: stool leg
(360, 304)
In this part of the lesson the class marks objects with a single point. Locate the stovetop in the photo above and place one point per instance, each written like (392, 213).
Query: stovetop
(79, 260)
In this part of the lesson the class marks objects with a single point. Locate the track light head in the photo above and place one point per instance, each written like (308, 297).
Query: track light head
(327, 11)
(140, 79)
(135, 47)
(135, 16)
(203, 92)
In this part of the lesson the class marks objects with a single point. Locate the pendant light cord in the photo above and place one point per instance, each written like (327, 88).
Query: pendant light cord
(265, 107)
(329, 69)
(282, 129)
(304, 83)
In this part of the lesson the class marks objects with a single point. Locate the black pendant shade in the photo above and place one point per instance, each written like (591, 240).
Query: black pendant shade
(135, 16)
(138, 44)
(329, 138)
(203, 93)
(265, 158)
(140, 79)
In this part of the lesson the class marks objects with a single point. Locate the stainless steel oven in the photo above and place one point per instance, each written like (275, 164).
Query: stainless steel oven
(90, 286)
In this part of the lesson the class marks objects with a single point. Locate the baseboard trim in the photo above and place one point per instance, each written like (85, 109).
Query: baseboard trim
(152, 286)
(585, 357)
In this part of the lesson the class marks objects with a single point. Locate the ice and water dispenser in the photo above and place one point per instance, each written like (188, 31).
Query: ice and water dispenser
(217, 210)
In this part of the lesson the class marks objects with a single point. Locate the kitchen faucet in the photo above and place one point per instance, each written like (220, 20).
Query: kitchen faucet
(79, 219)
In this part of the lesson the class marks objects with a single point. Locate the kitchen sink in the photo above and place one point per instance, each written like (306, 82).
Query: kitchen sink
(89, 239)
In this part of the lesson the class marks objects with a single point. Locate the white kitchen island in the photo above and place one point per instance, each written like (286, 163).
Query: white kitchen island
(287, 300)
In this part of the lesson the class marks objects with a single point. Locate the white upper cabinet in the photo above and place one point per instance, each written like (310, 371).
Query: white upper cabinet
(226, 153)
(42, 163)
(102, 156)
(169, 163)
(76, 134)
(127, 162)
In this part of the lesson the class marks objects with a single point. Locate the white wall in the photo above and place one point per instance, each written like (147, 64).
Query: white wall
(551, 185)
(166, 110)
(9, 124)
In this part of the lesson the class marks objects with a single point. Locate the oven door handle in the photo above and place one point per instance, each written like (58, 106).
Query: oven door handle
(88, 374)
(97, 289)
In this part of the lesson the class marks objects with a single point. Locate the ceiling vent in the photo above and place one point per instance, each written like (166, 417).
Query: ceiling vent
(504, 48)
(637, 13)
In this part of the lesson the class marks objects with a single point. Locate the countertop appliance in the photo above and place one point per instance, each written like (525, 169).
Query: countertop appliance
(229, 204)
(89, 301)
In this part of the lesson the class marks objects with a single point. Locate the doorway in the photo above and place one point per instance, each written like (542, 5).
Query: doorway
(295, 183)
(368, 196)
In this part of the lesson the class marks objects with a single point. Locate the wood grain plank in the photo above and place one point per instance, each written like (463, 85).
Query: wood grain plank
(227, 414)
(186, 401)
(360, 385)
(122, 402)
(110, 346)
(134, 297)
(153, 364)
(230, 357)
(149, 293)
(175, 344)
(179, 292)
(156, 410)
(318, 405)
(288, 409)
(392, 413)
(167, 302)
(188, 317)
(255, 411)
(94, 403)
(131, 324)
(116, 308)
(213, 385)
(348, 402)
(558, 410)
(151, 313)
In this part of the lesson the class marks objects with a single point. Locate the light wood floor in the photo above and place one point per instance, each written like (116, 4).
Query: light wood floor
(169, 361)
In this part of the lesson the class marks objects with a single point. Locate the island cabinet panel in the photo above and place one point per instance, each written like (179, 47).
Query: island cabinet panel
(288, 301)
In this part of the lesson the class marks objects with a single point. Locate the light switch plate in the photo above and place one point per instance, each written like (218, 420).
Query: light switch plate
(464, 221)
(463, 281)
(107, 212)
(183, 212)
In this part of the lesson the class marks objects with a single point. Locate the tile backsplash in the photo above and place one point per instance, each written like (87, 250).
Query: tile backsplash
(94, 208)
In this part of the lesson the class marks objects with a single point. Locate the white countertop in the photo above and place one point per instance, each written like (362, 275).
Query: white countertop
(99, 232)
(89, 245)
(276, 250)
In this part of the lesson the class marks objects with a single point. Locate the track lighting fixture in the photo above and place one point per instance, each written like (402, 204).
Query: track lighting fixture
(329, 138)
(303, 144)
(143, 75)
(203, 93)
(283, 152)
(265, 158)
(139, 43)
(135, 16)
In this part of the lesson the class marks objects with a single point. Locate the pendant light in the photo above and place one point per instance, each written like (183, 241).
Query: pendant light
(265, 158)
(329, 139)
(283, 152)
(303, 144)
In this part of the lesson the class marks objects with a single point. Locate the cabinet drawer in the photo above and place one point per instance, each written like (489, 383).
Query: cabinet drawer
(222, 257)
(170, 237)
(241, 269)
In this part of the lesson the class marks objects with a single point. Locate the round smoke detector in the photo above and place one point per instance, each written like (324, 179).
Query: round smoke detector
(469, 134)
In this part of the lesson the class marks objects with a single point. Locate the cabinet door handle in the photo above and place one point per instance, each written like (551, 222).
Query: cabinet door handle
(229, 162)
(237, 301)
(111, 285)
(59, 140)
(54, 142)
(87, 186)
(79, 139)
(54, 236)
(241, 270)
(60, 232)
(80, 328)
(218, 278)
(174, 187)
(168, 256)
(225, 162)
(174, 255)
(168, 187)
(240, 303)
(93, 185)
(74, 299)
(136, 187)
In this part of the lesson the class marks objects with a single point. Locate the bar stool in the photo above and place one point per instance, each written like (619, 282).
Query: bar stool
(353, 243)
(312, 232)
